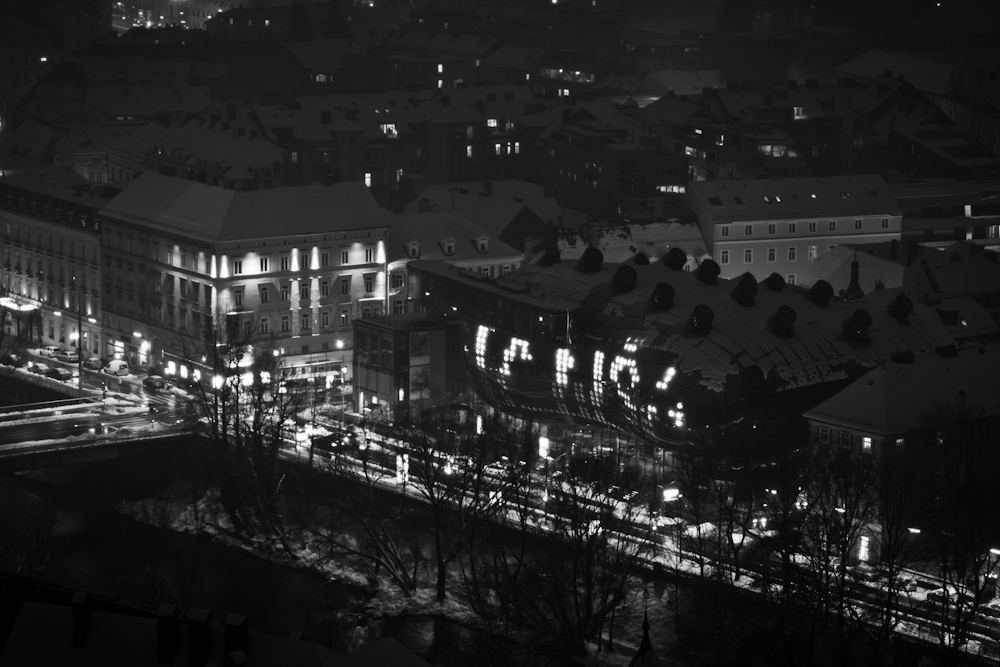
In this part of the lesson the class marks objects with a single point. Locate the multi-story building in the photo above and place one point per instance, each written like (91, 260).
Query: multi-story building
(447, 236)
(593, 166)
(294, 265)
(782, 226)
(50, 245)
(406, 359)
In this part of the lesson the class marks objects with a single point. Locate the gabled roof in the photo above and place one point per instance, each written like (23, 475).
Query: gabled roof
(530, 194)
(830, 196)
(899, 398)
(430, 229)
(214, 214)
(925, 75)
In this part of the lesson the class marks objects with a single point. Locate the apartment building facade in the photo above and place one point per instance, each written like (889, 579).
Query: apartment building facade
(783, 225)
(50, 250)
(293, 265)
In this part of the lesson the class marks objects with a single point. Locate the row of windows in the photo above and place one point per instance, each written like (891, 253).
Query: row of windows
(772, 254)
(772, 228)
(848, 439)
(305, 288)
(285, 261)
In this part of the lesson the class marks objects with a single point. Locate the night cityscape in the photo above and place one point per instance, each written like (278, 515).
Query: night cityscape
(401, 333)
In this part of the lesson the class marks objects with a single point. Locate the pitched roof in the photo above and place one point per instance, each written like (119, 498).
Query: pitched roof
(926, 75)
(429, 229)
(898, 398)
(214, 214)
(830, 196)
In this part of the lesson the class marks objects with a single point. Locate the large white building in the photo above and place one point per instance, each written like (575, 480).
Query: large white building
(297, 264)
(783, 225)
(50, 249)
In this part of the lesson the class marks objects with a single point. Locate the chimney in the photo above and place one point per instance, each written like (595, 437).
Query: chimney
(81, 619)
(167, 634)
(199, 637)
(854, 291)
(237, 638)
(529, 250)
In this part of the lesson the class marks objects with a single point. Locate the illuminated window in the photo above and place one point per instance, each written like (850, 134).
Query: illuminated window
(468, 151)
(497, 148)
(491, 122)
(368, 178)
(440, 68)
(866, 443)
(864, 547)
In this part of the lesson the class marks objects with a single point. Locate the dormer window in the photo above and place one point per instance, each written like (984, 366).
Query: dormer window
(483, 243)
(414, 249)
(449, 246)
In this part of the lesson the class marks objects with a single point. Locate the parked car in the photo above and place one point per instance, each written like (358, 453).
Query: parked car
(59, 374)
(93, 363)
(49, 350)
(40, 368)
(68, 356)
(154, 382)
(12, 360)
(116, 367)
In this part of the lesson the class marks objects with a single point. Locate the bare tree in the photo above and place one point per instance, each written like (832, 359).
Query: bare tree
(963, 526)
(566, 588)
(462, 475)
(247, 413)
